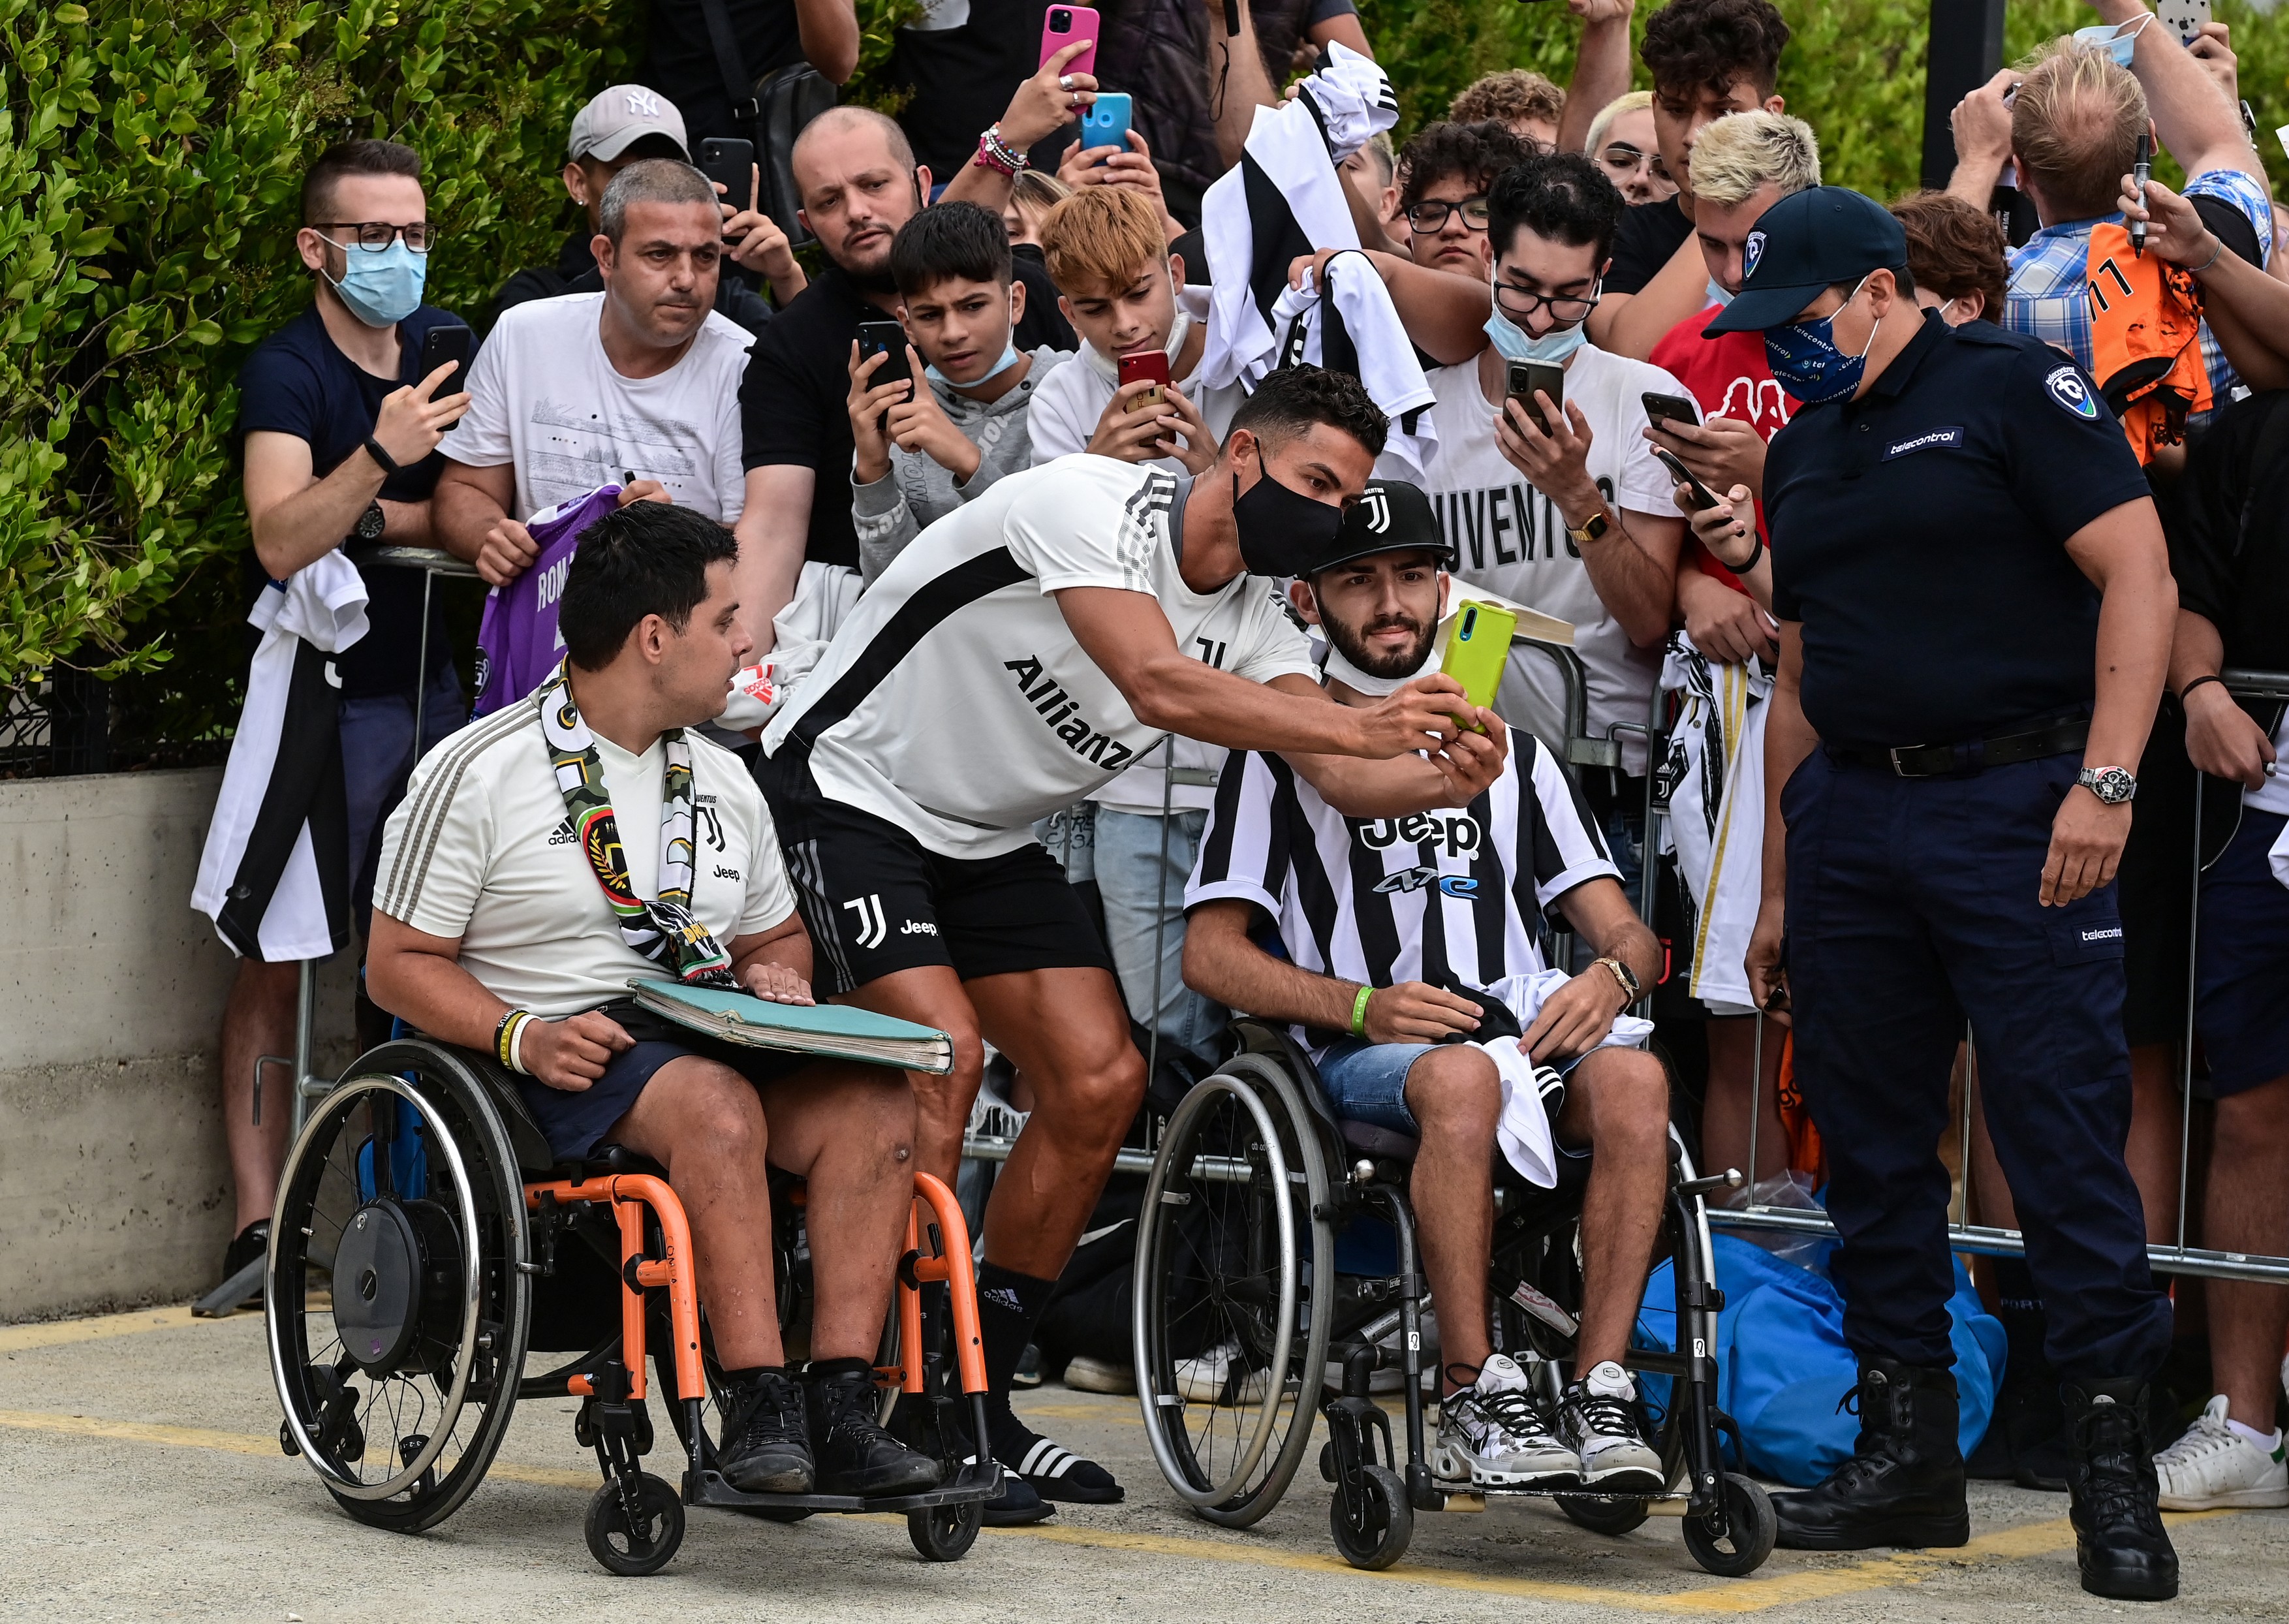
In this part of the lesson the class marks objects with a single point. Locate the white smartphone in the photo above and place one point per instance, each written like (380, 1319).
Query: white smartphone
(2183, 18)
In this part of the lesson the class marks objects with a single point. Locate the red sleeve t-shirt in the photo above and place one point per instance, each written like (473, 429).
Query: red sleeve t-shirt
(1727, 377)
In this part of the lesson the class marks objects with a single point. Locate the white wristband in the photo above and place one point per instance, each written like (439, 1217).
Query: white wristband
(517, 1046)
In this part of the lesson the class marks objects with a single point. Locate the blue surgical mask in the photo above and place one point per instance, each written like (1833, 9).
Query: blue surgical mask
(1010, 358)
(1551, 348)
(1717, 295)
(1804, 358)
(381, 288)
(2121, 43)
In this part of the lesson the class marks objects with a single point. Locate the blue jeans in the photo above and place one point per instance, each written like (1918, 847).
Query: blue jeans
(1144, 897)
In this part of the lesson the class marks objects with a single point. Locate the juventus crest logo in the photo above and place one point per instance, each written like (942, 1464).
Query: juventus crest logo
(1377, 505)
(872, 930)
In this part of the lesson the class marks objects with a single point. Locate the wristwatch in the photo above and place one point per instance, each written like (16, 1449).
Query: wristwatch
(2114, 785)
(1631, 987)
(1596, 526)
(369, 524)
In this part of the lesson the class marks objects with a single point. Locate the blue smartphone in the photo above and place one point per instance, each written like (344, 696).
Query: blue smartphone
(1105, 121)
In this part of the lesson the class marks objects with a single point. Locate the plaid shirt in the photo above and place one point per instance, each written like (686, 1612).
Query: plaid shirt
(2050, 277)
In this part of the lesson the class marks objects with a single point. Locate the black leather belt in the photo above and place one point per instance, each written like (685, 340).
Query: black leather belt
(1938, 761)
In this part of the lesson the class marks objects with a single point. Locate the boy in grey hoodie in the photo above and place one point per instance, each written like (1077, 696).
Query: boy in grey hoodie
(922, 453)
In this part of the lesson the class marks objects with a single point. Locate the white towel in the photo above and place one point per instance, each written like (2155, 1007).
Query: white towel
(1716, 769)
(1523, 1128)
(824, 594)
(1350, 325)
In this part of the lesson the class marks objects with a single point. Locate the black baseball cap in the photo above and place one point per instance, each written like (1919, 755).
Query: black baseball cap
(1809, 241)
(1390, 516)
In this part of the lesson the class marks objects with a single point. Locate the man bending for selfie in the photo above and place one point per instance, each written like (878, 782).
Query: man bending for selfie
(1452, 898)
(587, 835)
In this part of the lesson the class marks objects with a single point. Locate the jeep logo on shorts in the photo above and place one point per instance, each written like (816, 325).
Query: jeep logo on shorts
(1458, 831)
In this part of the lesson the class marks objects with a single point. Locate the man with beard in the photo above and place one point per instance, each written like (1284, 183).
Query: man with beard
(1012, 661)
(1384, 920)
(859, 183)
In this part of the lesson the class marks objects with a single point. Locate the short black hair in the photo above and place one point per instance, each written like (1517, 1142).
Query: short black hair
(1291, 399)
(1561, 196)
(361, 157)
(1476, 152)
(953, 240)
(648, 557)
(1696, 44)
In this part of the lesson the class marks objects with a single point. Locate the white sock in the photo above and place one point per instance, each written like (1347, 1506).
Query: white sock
(2268, 1442)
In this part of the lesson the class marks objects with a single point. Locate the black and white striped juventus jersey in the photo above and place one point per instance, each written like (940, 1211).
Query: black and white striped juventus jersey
(1451, 892)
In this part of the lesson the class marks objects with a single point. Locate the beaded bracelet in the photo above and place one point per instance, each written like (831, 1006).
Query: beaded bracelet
(995, 153)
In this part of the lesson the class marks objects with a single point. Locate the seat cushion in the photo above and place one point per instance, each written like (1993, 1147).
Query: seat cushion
(1368, 1140)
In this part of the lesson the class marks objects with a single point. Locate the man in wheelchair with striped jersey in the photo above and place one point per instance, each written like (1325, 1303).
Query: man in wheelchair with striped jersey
(544, 856)
(1375, 915)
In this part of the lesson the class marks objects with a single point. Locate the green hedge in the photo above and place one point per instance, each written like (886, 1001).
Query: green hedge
(149, 152)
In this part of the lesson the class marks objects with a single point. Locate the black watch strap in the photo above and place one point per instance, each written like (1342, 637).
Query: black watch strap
(387, 464)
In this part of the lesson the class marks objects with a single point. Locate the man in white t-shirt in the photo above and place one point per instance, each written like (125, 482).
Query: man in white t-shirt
(587, 835)
(637, 385)
(1013, 660)
(1581, 521)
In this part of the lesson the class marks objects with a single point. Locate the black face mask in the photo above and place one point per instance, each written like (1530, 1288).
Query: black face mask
(1282, 532)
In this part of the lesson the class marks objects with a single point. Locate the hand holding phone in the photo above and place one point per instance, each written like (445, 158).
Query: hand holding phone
(1105, 122)
(1477, 652)
(1522, 380)
(452, 343)
(1675, 408)
(730, 164)
(1150, 365)
(1702, 498)
(1064, 25)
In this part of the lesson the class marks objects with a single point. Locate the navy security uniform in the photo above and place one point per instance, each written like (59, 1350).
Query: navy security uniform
(1917, 537)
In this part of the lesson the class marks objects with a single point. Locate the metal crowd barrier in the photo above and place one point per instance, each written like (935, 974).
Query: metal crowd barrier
(1989, 1240)
(432, 563)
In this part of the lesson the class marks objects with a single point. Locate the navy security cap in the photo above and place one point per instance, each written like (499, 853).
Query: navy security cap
(1390, 516)
(1808, 241)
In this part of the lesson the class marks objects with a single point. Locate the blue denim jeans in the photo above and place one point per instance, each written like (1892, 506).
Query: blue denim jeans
(1144, 897)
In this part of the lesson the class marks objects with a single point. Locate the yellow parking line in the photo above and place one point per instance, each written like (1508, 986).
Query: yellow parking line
(60, 1332)
(1737, 1596)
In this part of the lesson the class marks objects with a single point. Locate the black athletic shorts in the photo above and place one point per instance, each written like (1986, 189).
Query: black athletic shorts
(876, 901)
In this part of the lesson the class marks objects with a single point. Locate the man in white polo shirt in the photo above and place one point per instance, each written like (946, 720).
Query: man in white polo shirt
(587, 835)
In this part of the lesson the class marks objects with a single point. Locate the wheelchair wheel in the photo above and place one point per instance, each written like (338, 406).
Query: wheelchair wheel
(1739, 1536)
(642, 1543)
(1607, 1514)
(945, 1533)
(396, 1303)
(1234, 1283)
(1376, 1533)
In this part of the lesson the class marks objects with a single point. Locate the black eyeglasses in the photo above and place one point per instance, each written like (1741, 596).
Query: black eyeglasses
(1422, 219)
(374, 235)
(1564, 308)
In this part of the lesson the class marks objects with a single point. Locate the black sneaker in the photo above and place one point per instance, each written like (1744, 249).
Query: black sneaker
(766, 1447)
(1028, 1373)
(251, 1243)
(855, 1455)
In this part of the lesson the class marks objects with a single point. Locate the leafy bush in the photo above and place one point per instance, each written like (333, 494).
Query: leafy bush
(149, 156)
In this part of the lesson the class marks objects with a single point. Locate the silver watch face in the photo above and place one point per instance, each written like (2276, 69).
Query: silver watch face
(2111, 784)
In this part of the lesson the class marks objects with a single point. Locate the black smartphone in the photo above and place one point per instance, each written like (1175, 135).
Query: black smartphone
(730, 164)
(1703, 498)
(885, 338)
(1521, 379)
(1676, 407)
(454, 343)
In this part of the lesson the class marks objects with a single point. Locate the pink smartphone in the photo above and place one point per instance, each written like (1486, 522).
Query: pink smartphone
(1060, 28)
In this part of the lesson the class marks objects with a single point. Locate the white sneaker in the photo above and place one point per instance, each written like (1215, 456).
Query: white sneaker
(1598, 1418)
(1084, 1374)
(2214, 1466)
(1492, 1434)
(1204, 1380)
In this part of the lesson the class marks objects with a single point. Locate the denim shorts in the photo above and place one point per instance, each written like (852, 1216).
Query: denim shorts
(1366, 1082)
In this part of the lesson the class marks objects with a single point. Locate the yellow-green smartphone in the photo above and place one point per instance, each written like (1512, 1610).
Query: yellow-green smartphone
(1477, 652)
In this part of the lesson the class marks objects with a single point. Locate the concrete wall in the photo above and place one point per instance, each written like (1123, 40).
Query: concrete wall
(114, 1189)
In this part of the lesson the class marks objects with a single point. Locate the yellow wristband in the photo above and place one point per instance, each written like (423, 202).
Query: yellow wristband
(1359, 1011)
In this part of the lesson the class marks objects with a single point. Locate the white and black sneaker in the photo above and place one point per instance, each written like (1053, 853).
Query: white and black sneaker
(1494, 1434)
(1599, 1419)
(2216, 1466)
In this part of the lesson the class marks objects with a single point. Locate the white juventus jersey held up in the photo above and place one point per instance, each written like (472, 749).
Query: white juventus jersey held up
(955, 702)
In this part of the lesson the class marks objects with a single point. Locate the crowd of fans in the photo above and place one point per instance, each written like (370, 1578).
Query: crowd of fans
(985, 294)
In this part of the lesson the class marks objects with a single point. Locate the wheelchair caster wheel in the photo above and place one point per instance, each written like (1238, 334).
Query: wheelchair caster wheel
(1608, 1514)
(1737, 1539)
(1373, 1534)
(945, 1533)
(645, 1544)
(1328, 1462)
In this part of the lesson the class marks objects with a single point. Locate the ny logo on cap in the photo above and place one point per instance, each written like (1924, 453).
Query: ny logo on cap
(1752, 250)
(1377, 505)
(642, 104)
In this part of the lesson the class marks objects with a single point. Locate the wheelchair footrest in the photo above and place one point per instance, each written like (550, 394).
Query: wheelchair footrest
(1549, 1492)
(978, 1482)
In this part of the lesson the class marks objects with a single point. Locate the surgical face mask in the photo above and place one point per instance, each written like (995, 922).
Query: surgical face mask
(1804, 358)
(380, 289)
(2120, 44)
(1551, 349)
(1282, 532)
(1009, 359)
(1718, 294)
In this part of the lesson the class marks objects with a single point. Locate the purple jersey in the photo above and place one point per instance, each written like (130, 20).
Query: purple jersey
(517, 644)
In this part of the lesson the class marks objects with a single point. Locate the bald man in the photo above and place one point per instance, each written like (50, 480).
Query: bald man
(858, 182)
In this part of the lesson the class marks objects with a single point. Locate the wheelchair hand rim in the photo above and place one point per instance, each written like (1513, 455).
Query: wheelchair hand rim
(441, 1145)
(1180, 1123)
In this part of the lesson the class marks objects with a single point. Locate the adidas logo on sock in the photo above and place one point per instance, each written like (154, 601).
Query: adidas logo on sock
(1003, 1297)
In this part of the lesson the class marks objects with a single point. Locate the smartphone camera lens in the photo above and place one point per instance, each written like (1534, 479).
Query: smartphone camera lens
(1469, 621)
(1060, 22)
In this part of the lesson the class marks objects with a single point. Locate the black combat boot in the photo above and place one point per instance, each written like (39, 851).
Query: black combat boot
(2120, 1545)
(1903, 1485)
